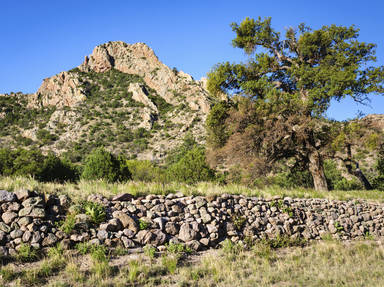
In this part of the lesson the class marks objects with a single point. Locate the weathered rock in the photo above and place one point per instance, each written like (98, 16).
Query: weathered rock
(33, 202)
(49, 240)
(6, 196)
(128, 243)
(23, 194)
(102, 234)
(4, 227)
(187, 232)
(122, 197)
(37, 212)
(8, 217)
(126, 221)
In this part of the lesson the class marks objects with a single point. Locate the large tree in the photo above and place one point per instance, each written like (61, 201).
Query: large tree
(290, 81)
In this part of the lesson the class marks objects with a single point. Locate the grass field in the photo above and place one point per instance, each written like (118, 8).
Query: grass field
(318, 263)
(82, 189)
(325, 263)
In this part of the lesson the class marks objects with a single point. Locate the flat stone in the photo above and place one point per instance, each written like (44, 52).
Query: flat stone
(33, 201)
(8, 217)
(49, 240)
(25, 211)
(122, 197)
(4, 227)
(37, 212)
(23, 194)
(6, 196)
(16, 233)
(126, 220)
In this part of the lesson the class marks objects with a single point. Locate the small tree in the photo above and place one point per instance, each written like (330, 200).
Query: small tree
(101, 164)
(291, 81)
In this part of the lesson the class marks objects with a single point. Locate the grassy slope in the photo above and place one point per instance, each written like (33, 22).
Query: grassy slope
(326, 263)
(82, 189)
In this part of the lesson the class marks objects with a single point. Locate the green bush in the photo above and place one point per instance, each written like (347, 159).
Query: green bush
(101, 164)
(55, 169)
(144, 170)
(191, 168)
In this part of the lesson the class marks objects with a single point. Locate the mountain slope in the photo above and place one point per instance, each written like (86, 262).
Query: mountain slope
(121, 97)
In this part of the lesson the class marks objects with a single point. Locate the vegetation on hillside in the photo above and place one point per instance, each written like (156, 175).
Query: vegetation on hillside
(284, 90)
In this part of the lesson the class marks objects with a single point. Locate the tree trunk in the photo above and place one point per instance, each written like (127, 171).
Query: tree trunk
(316, 169)
(357, 172)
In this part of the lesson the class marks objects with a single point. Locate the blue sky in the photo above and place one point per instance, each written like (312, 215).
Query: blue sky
(41, 38)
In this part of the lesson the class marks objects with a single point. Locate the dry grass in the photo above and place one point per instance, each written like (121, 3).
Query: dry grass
(83, 188)
(326, 263)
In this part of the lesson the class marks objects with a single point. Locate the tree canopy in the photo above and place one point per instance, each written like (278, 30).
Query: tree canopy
(289, 82)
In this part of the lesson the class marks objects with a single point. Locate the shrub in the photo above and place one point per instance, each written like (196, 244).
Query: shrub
(191, 168)
(55, 169)
(101, 164)
(144, 170)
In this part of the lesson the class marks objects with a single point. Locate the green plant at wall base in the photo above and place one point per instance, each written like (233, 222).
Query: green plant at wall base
(239, 221)
(26, 253)
(149, 251)
(68, 224)
(143, 224)
(338, 226)
(95, 211)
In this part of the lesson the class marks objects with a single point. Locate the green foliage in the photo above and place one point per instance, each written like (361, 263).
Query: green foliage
(95, 211)
(149, 251)
(45, 136)
(177, 248)
(215, 123)
(68, 224)
(239, 221)
(291, 81)
(336, 181)
(143, 224)
(26, 253)
(144, 170)
(101, 164)
(191, 168)
(34, 163)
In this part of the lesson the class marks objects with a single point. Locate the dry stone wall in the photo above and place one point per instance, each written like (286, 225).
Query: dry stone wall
(199, 222)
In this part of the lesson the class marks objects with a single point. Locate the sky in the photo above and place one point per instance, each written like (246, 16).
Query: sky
(41, 38)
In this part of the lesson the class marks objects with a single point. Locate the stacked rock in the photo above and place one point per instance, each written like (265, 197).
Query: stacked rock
(198, 222)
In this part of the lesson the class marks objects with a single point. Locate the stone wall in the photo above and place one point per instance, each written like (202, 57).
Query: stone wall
(200, 222)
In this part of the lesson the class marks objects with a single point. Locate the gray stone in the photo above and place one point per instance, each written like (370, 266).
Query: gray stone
(33, 202)
(49, 240)
(102, 234)
(23, 194)
(25, 211)
(128, 243)
(126, 220)
(36, 237)
(122, 197)
(4, 227)
(24, 221)
(27, 236)
(172, 228)
(194, 245)
(8, 217)
(161, 221)
(6, 196)
(16, 233)
(112, 225)
(187, 232)
(4, 251)
(37, 212)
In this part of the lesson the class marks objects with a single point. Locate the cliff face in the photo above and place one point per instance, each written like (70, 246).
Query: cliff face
(122, 97)
(64, 89)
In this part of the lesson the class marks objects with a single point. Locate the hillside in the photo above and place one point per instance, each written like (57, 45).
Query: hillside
(122, 97)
